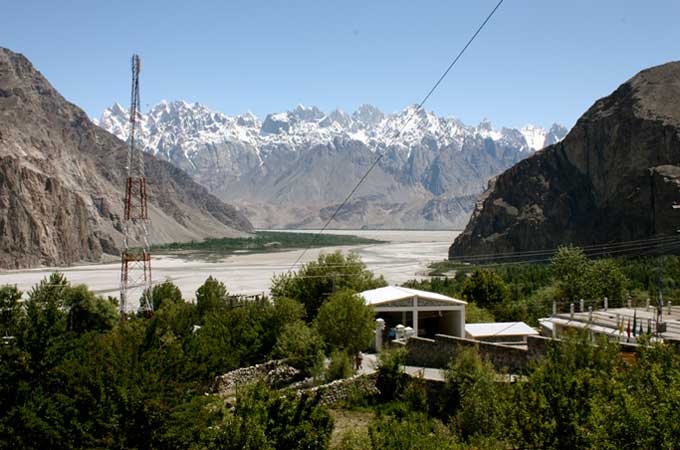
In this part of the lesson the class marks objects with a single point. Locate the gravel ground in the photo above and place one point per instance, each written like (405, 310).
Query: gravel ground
(406, 256)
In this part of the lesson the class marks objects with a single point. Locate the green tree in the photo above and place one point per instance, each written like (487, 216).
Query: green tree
(485, 288)
(476, 314)
(339, 366)
(553, 408)
(626, 417)
(604, 278)
(391, 377)
(264, 420)
(11, 313)
(475, 397)
(210, 297)
(277, 314)
(316, 280)
(570, 268)
(302, 346)
(416, 431)
(229, 339)
(346, 322)
(46, 320)
(87, 311)
(166, 291)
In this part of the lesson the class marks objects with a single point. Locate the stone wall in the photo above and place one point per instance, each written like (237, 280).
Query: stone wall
(439, 351)
(275, 373)
(338, 390)
(537, 346)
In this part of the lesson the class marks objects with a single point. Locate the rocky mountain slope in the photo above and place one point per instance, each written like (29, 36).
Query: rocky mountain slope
(614, 177)
(61, 180)
(293, 168)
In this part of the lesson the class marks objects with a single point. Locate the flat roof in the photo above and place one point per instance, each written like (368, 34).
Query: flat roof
(392, 293)
(499, 329)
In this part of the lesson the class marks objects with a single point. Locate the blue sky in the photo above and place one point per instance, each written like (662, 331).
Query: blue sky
(537, 61)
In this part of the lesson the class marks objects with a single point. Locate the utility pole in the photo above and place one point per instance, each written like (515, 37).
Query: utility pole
(135, 271)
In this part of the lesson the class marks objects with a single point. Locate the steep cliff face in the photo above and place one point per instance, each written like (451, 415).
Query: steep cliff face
(613, 178)
(61, 181)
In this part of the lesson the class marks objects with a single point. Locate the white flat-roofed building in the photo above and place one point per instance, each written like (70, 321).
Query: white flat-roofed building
(428, 313)
(501, 332)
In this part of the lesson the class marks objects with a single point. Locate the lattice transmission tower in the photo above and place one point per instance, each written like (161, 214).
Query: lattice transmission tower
(135, 271)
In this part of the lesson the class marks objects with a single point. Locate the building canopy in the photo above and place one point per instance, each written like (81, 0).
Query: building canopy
(389, 294)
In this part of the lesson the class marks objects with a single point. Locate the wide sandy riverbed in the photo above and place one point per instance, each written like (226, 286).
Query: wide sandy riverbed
(404, 257)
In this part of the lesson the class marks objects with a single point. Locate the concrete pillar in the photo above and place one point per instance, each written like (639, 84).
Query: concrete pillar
(571, 310)
(415, 315)
(580, 305)
(554, 308)
(590, 314)
(606, 303)
(647, 304)
(629, 302)
(461, 322)
(379, 327)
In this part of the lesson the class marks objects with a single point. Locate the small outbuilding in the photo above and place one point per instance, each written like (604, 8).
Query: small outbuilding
(428, 313)
(500, 332)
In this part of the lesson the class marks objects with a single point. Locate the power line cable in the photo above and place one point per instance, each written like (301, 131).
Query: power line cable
(403, 127)
(585, 248)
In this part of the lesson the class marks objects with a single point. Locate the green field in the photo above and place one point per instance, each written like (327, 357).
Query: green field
(264, 241)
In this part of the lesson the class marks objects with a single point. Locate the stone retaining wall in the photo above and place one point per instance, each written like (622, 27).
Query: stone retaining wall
(439, 351)
(275, 373)
(339, 390)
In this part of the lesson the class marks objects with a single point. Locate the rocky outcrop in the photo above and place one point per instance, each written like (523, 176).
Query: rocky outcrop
(61, 179)
(613, 178)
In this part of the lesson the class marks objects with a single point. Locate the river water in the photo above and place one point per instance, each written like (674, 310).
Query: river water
(405, 256)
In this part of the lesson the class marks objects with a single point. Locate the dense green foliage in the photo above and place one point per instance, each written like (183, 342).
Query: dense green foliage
(579, 278)
(76, 376)
(346, 323)
(302, 346)
(265, 241)
(339, 366)
(569, 277)
(485, 288)
(163, 292)
(316, 280)
(579, 395)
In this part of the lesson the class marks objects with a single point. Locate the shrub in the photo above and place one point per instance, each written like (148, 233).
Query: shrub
(340, 366)
(302, 346)
(485, 288)
(391, 377)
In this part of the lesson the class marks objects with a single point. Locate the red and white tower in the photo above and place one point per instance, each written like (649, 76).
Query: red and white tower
(135, 271)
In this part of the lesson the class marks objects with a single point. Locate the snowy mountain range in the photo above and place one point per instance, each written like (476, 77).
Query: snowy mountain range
(293, 168)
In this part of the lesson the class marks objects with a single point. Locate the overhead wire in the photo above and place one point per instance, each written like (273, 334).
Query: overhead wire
(585, 248)
(401, 129)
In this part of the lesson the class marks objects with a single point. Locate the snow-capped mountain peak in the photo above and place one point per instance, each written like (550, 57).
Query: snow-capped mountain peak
(535, 136)
(283, 165)
(185, 128)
